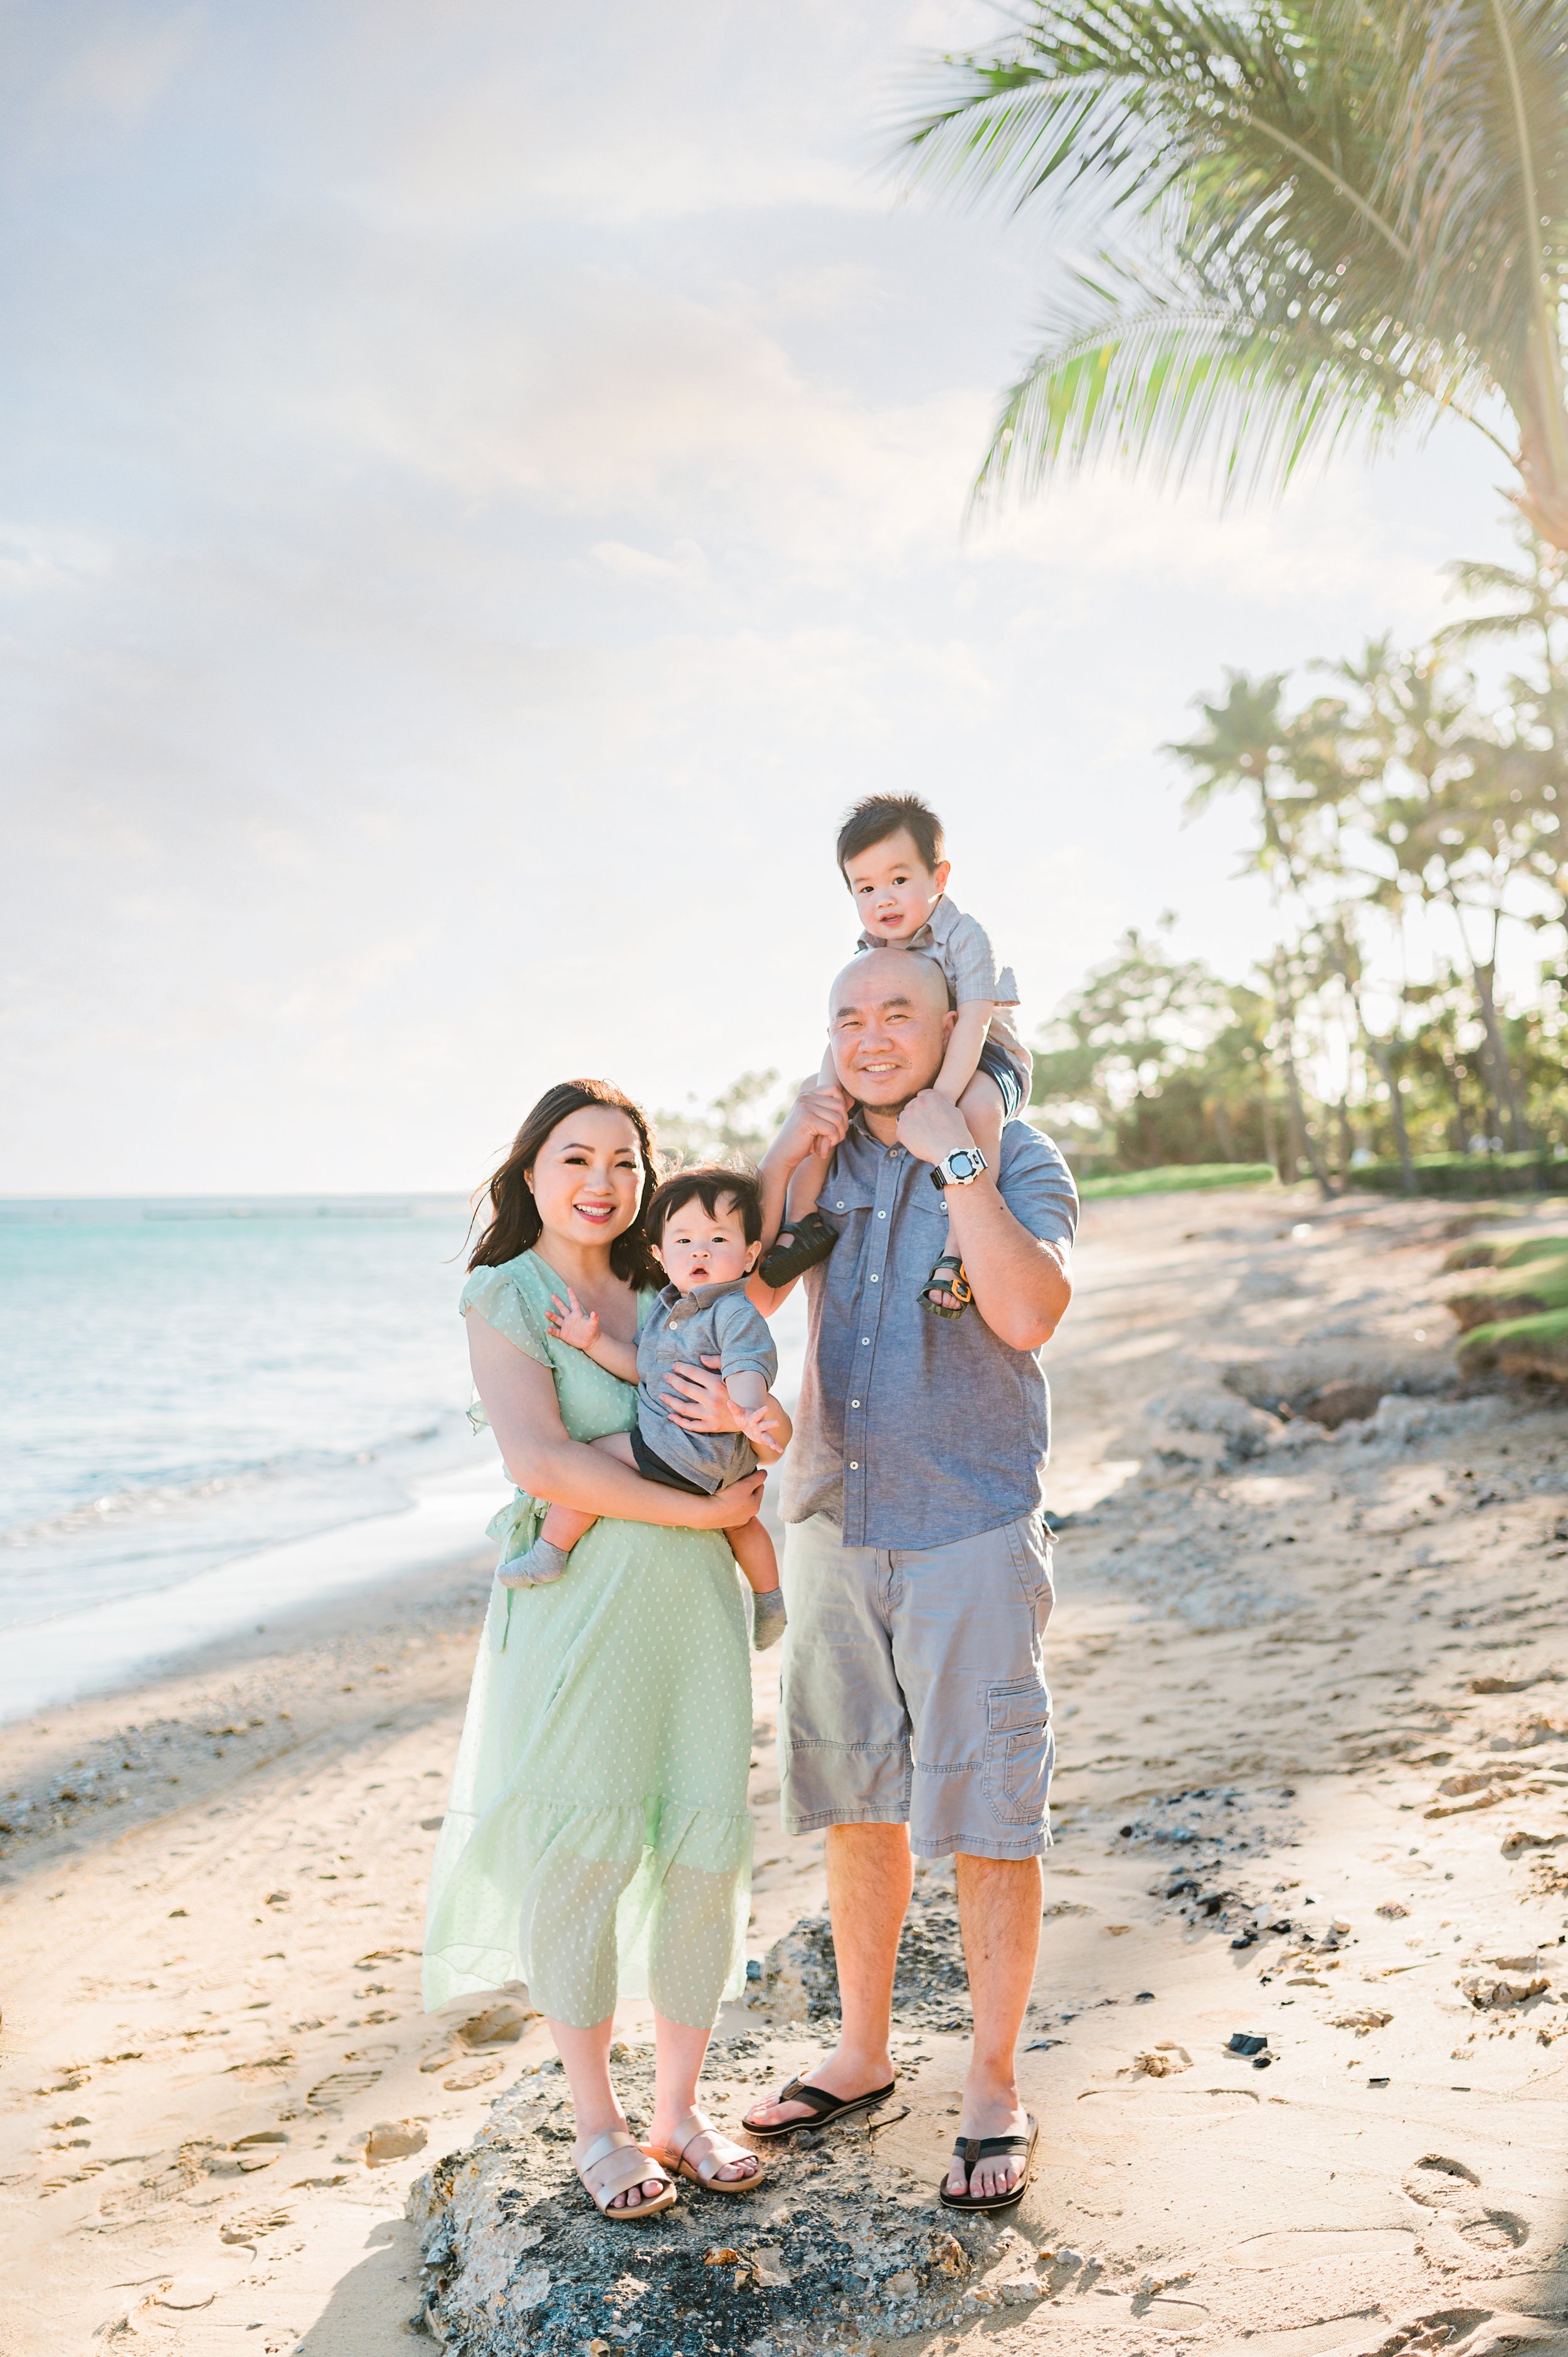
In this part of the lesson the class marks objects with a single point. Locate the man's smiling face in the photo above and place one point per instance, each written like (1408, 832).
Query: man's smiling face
(888, 1024)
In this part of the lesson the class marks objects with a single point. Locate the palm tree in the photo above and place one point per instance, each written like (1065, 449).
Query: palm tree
(1437, 799)
(1318, 220)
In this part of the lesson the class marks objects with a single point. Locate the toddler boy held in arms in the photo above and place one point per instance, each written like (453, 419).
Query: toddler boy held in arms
(706, 1226)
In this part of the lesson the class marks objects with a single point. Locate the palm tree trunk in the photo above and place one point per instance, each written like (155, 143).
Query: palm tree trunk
(1378, 1050)
(1222, 1131)
(1379, 1053)
(1497, 1057)
(1301, 1139)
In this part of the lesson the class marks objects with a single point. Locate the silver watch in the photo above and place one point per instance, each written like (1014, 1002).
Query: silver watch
(961, 1168)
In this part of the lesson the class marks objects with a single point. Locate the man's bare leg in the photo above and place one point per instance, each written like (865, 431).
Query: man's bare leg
(870, 1875)
(999, 1911)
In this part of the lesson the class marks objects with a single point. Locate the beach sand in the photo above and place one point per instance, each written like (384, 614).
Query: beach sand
(1312, 1699)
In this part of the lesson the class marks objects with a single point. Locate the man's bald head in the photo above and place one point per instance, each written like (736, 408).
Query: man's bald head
(889, 1016)
(885, 975)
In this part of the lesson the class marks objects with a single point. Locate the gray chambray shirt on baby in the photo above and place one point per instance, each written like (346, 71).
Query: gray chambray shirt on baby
(961, 947)
(714, 1321)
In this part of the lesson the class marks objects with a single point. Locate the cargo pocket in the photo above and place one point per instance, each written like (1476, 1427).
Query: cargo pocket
(1019, 1751)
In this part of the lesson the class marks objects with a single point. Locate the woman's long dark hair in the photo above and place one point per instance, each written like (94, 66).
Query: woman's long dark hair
(515, 1224)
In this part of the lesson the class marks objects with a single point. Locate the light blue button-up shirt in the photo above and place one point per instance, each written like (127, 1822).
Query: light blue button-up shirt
(912, 1431)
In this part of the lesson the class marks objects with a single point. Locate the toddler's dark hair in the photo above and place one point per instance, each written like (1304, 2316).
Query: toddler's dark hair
(711, 1184)
(880, 816)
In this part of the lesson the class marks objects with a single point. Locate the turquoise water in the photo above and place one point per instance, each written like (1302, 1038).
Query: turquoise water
(185, 1383)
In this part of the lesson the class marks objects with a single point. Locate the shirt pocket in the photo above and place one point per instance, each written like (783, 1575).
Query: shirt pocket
(1020, 1750)
(840, 1197)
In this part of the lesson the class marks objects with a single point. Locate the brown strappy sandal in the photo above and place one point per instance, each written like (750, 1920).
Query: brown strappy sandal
(824, 2107)
(699, 2153)
(612, 2163)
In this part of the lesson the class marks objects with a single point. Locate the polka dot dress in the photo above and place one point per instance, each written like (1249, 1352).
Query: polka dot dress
(597, 1843)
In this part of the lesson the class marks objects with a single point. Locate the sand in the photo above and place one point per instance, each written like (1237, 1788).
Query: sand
(1312, 1698)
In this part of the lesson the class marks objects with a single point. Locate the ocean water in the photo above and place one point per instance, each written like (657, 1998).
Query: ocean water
(184, 1384)
(211, 1412)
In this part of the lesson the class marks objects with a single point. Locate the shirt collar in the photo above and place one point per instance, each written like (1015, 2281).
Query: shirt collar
(937, 926)
(701, 1297)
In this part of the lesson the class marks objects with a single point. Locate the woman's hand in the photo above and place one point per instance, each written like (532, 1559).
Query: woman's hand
(571, 1323)
(700, 1401)
(727, 1510)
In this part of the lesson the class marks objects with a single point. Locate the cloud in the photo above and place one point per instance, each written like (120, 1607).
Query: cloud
(485, 490)
(686, 563)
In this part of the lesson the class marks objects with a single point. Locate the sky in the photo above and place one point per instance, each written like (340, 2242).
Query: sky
(482, 488)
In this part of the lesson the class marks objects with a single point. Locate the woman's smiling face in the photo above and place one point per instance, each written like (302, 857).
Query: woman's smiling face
(588, 1177)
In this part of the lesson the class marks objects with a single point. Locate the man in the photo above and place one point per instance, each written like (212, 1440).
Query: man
(916, 1568)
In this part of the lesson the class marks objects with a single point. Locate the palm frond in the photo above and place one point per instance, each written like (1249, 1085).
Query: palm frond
(1189, 382)
(1356, 213)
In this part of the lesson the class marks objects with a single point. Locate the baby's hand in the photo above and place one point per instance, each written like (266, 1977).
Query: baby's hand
(571, 1323)
(760, 1427)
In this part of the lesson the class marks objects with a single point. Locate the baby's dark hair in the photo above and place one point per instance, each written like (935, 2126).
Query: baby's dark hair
(880, 816)
(711, 1184)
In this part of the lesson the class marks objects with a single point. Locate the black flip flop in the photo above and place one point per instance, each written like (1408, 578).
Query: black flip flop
(972, 2150)
(825, 2109)
(811, 1240)
(940, 1281)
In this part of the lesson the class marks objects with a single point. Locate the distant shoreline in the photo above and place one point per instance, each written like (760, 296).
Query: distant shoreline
(27, 1209)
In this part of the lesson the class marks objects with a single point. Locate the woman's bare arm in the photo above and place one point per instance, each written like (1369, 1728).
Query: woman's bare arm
(541, 1457)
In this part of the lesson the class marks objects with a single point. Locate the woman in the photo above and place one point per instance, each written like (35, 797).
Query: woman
(598, 1842)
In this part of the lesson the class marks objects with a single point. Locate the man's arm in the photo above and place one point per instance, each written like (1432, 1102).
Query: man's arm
(1020, 1282)
(818, 1118)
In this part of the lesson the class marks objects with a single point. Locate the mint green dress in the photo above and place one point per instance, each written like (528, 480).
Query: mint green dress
(598, 1842)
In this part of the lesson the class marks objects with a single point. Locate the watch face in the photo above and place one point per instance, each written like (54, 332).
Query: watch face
(962, 1163)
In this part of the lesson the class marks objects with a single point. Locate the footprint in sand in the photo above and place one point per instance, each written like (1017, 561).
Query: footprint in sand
(1451, 2189)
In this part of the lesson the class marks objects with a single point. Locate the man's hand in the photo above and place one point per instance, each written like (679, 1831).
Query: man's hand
(930, 1126)
(817, 1123)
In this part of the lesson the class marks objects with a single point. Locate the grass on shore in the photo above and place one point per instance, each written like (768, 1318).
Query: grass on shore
(1178, 1178)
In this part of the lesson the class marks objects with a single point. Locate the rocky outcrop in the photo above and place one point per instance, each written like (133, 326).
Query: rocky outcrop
(842, 2241)
(518, 2264)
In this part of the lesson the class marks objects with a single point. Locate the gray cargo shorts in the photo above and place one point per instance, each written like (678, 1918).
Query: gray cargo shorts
(914, 1692)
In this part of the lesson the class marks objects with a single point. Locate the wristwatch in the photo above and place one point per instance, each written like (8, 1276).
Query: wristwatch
(961, 1168)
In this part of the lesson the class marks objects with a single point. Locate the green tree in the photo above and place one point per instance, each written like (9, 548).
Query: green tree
(1249, 742)
(1317, 219)
(1173, 1061)
(735, 1126)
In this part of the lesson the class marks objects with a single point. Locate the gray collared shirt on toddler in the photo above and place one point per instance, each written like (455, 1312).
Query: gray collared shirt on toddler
(714, 1321)
(961, 947)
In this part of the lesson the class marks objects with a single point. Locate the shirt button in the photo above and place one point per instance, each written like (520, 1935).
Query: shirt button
(855, 1464)
(873, 1278)
(854, 1402)
(881, 1215)
(865, 1341)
